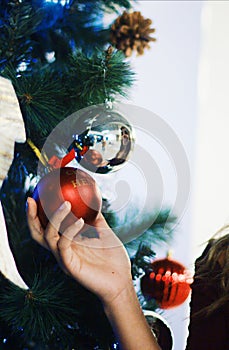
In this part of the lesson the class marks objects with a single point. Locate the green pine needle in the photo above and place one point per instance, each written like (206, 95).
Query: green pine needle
(41, 97)
(40, 312)
(101, 5)
(19, 23)
(161, 230)
(99, 76)
(114, 4)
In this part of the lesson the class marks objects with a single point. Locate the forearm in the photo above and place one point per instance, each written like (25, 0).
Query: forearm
(129, 323)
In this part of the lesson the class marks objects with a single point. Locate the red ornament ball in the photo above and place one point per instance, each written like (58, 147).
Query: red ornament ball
(68, 184)
(167, 282)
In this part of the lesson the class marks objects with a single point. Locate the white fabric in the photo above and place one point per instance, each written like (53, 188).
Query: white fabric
(11, 126)
(11, 130)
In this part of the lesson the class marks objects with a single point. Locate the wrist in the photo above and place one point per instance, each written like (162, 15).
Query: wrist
(122, 299)
(128, 321)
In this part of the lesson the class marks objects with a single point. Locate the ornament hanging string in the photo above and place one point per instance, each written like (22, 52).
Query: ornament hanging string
(42, 157)
(54, 162)
(108, 103)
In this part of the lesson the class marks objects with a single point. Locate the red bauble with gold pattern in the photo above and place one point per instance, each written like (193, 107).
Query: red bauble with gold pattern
(168, 282)
(68, 184)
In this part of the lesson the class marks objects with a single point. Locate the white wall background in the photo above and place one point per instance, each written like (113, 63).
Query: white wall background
(211, 210)
(167, 85)
(184, 78)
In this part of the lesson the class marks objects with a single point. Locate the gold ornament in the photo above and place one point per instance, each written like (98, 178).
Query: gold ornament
(131, 32)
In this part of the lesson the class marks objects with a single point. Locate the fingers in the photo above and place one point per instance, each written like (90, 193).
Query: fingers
(34, 224)
(100, 223)
(65, 250)
(106, 234)
(51, 235)
(68, 235)
(31, 209)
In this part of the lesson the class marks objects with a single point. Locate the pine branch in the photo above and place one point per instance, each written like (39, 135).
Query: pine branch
(141, 260)
(118, 3)
(40, 312)
(18, 22)
(41, 97)
(100, 75)
(31, 29)
(108, 214)
(161, 230)
(101, 5)
(46, 97)
(55, 312)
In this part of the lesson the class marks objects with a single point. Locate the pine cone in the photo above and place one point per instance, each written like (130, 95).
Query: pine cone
(131, 31)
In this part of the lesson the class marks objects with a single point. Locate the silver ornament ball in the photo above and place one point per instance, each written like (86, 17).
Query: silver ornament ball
(103, 140)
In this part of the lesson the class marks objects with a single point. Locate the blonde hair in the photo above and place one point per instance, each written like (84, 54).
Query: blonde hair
(216, 259)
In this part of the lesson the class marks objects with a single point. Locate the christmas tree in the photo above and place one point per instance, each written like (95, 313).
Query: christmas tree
(59, 59)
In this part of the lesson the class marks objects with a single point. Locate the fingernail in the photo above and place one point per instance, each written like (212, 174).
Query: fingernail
(65, 205)
(79, 222)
